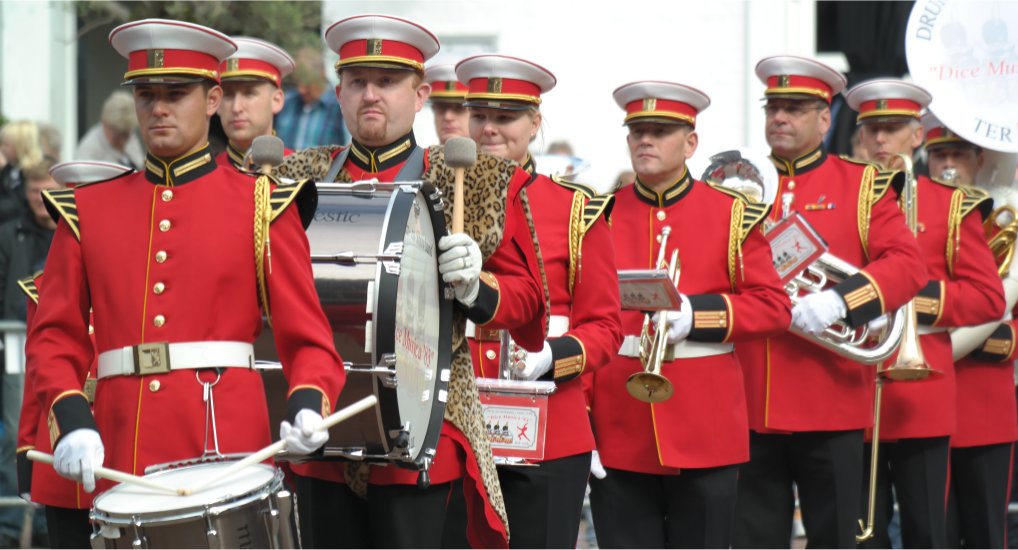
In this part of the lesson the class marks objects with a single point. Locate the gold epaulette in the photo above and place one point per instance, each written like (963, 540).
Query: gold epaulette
(27, 285)
(884, 180)
(60, 204)
(975, 198)
(587, 191)
(585, 210)
(752, 213)
(284, 195)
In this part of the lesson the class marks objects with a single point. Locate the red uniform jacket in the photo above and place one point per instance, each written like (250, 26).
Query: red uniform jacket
(964, 289)
(792, 384)
(579, 259)
(728, 275)
(167, 255)
(987, 411)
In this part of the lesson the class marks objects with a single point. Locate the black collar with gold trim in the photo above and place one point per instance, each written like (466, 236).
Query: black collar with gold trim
(801, 165)
(382, 158)
(529, 166)
(235, 156)
(180, 170)
(671, 195)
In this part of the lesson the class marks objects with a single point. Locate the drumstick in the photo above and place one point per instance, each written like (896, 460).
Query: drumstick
(272, 450)
(460, 154)
(112, 475)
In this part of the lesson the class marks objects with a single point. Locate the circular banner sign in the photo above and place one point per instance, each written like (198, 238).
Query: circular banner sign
(964, 53)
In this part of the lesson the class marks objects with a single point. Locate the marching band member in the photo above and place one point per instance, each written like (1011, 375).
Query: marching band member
(544, 502)
(964, 289)
(169, 280)
(66, 504)
(500, 286)
(808, 406)
(982, 446)
(447, 102)
(252, 80)
(672, 467)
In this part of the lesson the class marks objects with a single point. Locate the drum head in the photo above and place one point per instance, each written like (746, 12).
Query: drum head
(127, 500)
(413, 321)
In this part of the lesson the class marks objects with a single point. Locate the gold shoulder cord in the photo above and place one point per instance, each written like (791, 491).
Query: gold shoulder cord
(953, 234)
(575, 238)
(735, 242)
(262, 247)
(865, 206)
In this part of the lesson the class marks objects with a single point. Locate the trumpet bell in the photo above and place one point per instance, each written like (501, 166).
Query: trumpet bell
(909, 372)
(649, 387)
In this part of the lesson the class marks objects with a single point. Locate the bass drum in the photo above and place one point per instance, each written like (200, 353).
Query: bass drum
(374, 249)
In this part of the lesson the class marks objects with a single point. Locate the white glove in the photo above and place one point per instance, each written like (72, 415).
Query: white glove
(536, 364)
(77, 456)
(460, 265)
(679, 322)
(815, 312)
(596, 468)
(878, 324)
(303, 437)
(1007, 317)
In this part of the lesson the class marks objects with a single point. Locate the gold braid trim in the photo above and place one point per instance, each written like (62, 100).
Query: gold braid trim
(865, 205)
(954, 217)
(576, 231)
(735, 241)
(262, 249)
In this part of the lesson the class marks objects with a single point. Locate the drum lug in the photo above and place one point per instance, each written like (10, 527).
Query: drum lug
(409, 189)
(139, 539)
(423, 478)
(391, 268)
(211, 533)
(437, 202)
(281, 509)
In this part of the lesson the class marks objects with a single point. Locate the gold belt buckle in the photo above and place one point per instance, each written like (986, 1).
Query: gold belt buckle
(152, 358)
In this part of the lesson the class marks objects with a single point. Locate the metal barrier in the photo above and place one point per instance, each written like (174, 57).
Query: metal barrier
(13, 386)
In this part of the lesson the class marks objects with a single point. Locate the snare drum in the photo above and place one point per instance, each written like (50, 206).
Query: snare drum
(250, 509)
(374, 248)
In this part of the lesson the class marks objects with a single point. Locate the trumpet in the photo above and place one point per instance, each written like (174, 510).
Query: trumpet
(650, 386)
(909, 365)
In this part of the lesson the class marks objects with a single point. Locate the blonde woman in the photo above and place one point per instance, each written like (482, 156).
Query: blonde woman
(19, 148)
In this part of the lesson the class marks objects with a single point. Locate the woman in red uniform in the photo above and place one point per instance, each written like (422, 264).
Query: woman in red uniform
(544, 501)
(672, 467)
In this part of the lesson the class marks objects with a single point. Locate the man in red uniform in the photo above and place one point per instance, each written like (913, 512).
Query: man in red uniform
(672, 466)
(66, 504)
(544, 502)
(493, 265)
(170, 283)
(252, 95)
(982, 445)
(917, 419)
(447, 102)
(808, 407)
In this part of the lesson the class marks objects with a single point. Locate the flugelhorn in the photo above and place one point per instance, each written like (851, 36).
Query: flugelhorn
(909, 365)
(649, 385)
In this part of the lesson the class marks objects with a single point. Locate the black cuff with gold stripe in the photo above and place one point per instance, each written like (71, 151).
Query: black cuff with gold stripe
(306, 398)
(24, 472)
(68, 414)
(567, 359)
(998, 347)
(486, 304)
(862, 300)
(710, 318)
(929, 303)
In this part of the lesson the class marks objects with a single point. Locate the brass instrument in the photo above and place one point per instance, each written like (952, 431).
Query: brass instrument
(1002, 244)
(650, 386)
(909, 365)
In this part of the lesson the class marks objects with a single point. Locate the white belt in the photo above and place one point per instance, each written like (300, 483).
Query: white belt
(157, 358)
(923, 329)
(557, 326)
(682, 350)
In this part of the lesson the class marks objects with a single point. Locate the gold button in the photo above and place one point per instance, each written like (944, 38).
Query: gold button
(159, 321)
(159, 288)
(658, 238)
(791, 185)
(167, 195)
(91, 329)
(661, 215)
(164, 225)
(161, 256)
(153, 386)
(490, 354)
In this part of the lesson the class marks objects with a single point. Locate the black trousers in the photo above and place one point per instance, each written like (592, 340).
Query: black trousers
(694, 509)
(330, 515)
(68, 527)
(544, 502)
(826, 467)
(978, 497)
(917, 469)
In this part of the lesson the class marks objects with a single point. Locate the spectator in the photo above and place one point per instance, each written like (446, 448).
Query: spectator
(311, 114)
(114, 138)
(19, 147)
(50, 141)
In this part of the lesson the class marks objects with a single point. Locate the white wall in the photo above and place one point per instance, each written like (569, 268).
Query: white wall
(38, 74)
(594, 47)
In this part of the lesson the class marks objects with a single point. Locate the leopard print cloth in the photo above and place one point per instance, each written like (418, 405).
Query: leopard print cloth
(487, 184)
